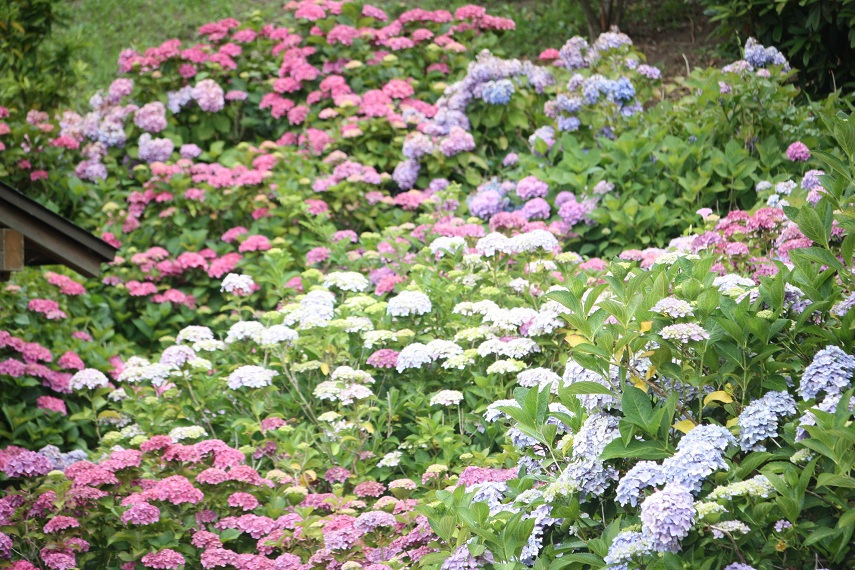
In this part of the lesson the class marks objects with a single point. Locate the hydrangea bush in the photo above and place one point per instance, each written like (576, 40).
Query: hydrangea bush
(357, 319)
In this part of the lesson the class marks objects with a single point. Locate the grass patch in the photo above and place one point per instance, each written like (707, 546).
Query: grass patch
(106, 27)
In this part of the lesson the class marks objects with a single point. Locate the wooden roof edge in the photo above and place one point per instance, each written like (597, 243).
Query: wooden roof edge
(54, 232)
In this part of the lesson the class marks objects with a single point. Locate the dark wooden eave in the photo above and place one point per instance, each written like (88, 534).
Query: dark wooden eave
(50, 239)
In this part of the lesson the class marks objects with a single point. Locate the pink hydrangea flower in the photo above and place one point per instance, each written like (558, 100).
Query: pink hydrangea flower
(798, 151)
(166, 559)
(51, 404)
(317, 255)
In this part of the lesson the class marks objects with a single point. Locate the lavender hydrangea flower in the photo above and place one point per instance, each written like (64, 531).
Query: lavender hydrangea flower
(699, 454)
(685, 332)
(667, 516)
(154, 150)
(486, 204)
(417, 145)
(830, 371)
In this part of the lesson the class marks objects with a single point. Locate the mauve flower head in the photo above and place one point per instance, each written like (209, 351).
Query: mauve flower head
(166, 559)
(141, 514)
(61, 523)
(209, 95)
(151, 117)
(531, 187)
(798, 151)
(337, 475)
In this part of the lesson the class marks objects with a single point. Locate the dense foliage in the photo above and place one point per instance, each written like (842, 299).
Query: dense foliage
(384, 299)
(816, 35)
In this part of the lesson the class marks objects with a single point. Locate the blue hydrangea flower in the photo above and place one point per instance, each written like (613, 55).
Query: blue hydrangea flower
(626, 546)
(497, 92)
(759, 420)
(644, 474)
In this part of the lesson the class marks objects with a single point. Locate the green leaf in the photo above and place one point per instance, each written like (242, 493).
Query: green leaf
(635, 449)
(636, 407)
(815, 227)
(586, 387)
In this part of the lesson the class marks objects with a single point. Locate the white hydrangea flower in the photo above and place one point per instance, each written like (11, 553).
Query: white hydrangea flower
(413, 356)
(347, 281)
(439, 348)
(237, 283)
(493, 243)
(509, 319)
(187, 432)
(458, 362)
(520, 285)
(88, 378)
(348, 374)
(277, 334)
(209, 345)
(245, 330)
(533, 240)
(391, 459)
(373, 338)
(357, 324)
(514, 348)
(506, 367)
(446, 398)
(409, 303)
(539, 377)
(443, 245)
(251, 377)
(194, 334)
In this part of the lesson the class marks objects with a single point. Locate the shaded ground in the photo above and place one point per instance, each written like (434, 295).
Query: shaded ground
(674, 35)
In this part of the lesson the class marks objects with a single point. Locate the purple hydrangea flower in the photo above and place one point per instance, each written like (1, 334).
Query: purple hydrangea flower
(536, 209)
